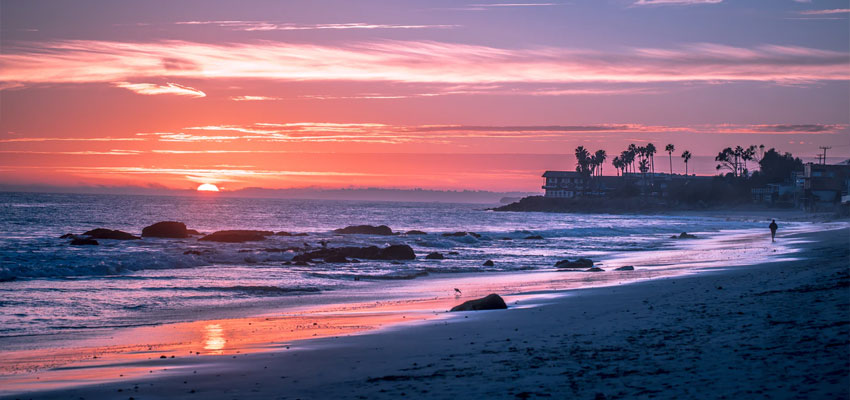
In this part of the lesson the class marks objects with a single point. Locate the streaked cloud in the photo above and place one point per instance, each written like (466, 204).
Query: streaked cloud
(70, 139)
(252, 26)
(675, 2)
(154, 89)
(254, 98)
(826, 12)
(409, 62)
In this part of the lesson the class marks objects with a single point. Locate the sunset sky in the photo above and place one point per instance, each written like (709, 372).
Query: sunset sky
(407, 93)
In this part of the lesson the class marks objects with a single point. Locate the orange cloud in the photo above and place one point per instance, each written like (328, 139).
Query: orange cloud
(154, 89)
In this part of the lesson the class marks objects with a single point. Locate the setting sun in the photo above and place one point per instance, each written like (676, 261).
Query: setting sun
(208, 187)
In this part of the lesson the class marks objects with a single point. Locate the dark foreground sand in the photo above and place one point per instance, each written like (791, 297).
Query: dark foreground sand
(777, 330)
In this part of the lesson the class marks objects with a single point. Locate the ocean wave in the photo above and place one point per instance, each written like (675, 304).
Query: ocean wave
(246, 289)
(376, 277)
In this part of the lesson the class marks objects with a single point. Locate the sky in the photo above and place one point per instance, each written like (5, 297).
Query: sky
(434, 94)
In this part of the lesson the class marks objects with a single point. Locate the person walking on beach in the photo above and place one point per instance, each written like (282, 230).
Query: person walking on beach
(773, 227)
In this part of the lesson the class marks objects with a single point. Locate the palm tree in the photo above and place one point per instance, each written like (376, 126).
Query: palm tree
(600, 157)
(617, 162)
(644, 167)
(583, 160)
(670, 149)
(686, 155)
(633, 152)
(650, 153)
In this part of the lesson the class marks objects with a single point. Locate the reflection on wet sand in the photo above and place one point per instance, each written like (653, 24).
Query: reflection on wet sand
(214, 340)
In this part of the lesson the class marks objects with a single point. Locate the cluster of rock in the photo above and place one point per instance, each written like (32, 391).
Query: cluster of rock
(365, 230)
(683, 235)
(237, 236)
(342, 254)
(580, 263)
(462, 234)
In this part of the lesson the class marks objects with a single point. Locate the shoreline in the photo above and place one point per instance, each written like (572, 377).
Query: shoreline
(265, 346)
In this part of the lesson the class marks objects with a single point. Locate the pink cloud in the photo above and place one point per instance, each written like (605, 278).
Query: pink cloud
(408, 62)
(154, 89)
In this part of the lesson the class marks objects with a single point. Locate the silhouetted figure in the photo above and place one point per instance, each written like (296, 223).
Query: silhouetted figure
(773, 227)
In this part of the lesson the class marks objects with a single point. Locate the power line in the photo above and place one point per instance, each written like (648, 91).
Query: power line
(824, 148)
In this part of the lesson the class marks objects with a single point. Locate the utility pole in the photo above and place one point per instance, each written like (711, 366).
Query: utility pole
(824, 148)
(820, 158)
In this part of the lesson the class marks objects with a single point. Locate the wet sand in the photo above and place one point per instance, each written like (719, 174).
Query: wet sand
(740, 331)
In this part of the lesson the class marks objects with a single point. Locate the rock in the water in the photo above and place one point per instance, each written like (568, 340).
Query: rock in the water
(434, 256)
(8, 278)
(488, 263)
(68, 236)
(84, 242)
(283, 233)
(594, 269)
(394, 252)
(193, 232)
(683, 235)
(461, 234)
(491, 302)
(192, 252)
(237, 236)
(453, 253)
(580, 263)
(415, 232)
(336, 258)
(365, 230)
(625, 268)
(166, 229)
(534, 237)
(101, 233)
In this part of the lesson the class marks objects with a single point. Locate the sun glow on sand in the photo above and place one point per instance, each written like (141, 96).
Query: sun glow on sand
(208, 187)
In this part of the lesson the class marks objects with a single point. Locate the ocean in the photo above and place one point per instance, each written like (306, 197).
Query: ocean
(51, 287)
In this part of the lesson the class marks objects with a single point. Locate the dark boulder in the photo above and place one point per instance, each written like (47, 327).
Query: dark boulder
(237, 236)
(462, 234)
(193, 232)
(625, 268)
(534, 237)
(594, 269)
(683, 235)
(68, 236)
(394, 252)
(101, 233)
(192, 252)
(166, 229)
(453, 253)
(283, 233)
(336, 258)
(415, 232)
(488, 263)
(84, 242)
(434, 256)
(580, 263)
(491, 302)
(365, 230)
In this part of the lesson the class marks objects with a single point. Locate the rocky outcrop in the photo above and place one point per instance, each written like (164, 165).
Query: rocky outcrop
(415, 232)
(237, 236)
(683, 235)
(393, 252)
(534, 237)
(594, 269)
(462, 234)
(166, 229)
(102, 233)
(68, 236)
(193, 232)
(84, 242)
(365, 230)
(491, 302)
(488, 263)
(625, 268)
(580, 263)
(434, 256)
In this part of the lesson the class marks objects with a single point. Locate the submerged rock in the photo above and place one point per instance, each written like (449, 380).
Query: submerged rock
(415, 232)
(434, 256)
(594, 269)
(488, 263)
(580, 263)
(365, 230)
(625, 268)
(237, 236)
(534, 237)
(166, 229)
(84, 242)
(68, 236)
(193, 232)
(461, 234)
(683, 235)
(394, 252)
(102, 233)
(491, 302)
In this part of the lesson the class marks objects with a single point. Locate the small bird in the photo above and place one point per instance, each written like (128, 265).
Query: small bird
(458, 291)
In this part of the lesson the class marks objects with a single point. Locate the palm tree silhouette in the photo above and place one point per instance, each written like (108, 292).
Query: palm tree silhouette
(686, 155)
(670, 149)
(650, 153)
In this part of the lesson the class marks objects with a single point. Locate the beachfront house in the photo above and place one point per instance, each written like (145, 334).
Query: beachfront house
(822, 186)
(563, 184)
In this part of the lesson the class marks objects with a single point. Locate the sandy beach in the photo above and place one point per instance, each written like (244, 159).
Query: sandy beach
(774, 330)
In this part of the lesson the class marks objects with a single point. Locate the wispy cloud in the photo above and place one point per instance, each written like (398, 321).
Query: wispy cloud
(674, 2)
(826, 12)
(410, 62)
(154, 89)
(70, 139)
(254, 98)
(251, 26)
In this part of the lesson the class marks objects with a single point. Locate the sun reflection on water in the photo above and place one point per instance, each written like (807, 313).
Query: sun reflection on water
(214, 338)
